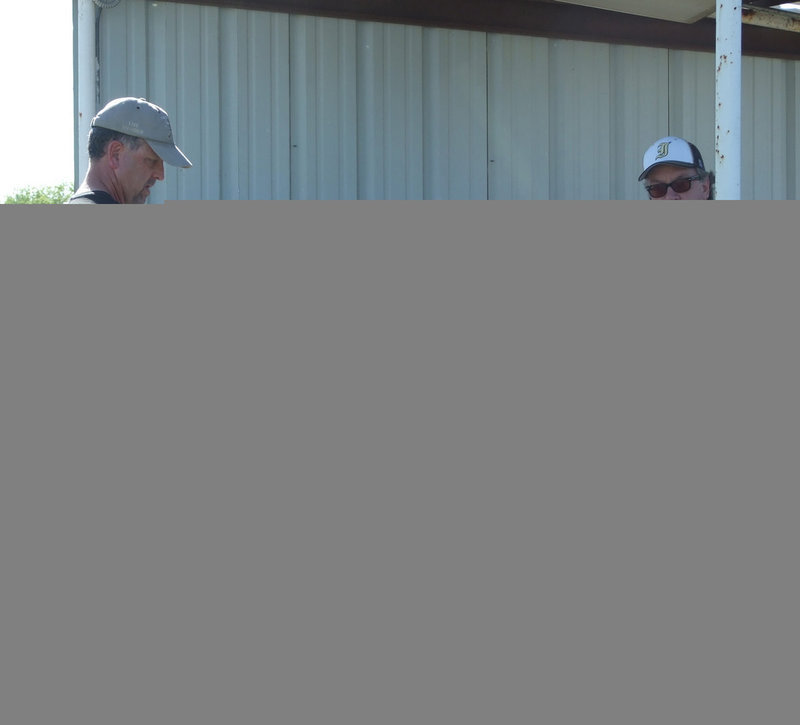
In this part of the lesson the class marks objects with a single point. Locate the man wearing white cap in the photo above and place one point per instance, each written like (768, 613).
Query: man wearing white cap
(674, 169)
(129, 141)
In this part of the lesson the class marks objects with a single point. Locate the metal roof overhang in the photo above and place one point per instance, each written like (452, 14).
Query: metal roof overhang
(764, 13)
(544, 18)
(678, 11)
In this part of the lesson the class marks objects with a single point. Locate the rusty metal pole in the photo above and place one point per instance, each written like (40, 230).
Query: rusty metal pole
(728, 108)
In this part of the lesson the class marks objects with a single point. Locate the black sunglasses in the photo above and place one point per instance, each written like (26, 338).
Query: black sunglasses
(680, 186)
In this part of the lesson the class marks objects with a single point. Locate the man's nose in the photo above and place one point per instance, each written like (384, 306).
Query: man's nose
(159, 171)
(672, 194)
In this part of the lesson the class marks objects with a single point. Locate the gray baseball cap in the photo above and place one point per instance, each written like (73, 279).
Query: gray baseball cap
(142, 119)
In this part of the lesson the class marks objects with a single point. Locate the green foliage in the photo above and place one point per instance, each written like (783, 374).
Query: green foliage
(57, 194)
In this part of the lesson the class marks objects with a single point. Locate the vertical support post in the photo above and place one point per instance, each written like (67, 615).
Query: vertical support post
(728, 102)
(87, 82)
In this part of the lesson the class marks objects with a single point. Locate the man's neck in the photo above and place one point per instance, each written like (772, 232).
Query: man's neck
(97, 180)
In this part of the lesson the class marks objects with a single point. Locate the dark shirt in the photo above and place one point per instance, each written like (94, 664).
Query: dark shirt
(92, 197)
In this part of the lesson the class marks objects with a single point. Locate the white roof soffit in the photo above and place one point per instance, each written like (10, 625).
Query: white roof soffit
(680, 11)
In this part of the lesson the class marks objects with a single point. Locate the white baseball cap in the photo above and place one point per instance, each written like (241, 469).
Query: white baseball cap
(142, 119)
(674, 151)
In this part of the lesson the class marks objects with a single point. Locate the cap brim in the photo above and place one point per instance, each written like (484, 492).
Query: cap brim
(171, 154)
(665, 163)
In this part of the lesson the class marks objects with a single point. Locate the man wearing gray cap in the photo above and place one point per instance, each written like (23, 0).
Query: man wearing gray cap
(129, 141)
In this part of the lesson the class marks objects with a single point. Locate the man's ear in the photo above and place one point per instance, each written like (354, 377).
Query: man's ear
(113, 151)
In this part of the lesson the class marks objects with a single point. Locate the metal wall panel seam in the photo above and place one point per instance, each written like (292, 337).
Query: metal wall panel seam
(229, 102)
(156, 69)
(137, 59)
(210, 101)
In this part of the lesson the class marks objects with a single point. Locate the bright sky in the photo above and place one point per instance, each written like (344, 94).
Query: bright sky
(36, 122)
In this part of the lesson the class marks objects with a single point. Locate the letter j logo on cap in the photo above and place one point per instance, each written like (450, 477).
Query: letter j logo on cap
(662, 150)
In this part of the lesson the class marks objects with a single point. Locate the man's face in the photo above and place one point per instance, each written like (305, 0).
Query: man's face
(137, 171)
(667, 174)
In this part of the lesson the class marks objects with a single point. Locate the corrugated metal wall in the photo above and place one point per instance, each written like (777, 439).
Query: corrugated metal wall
(273, 106)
